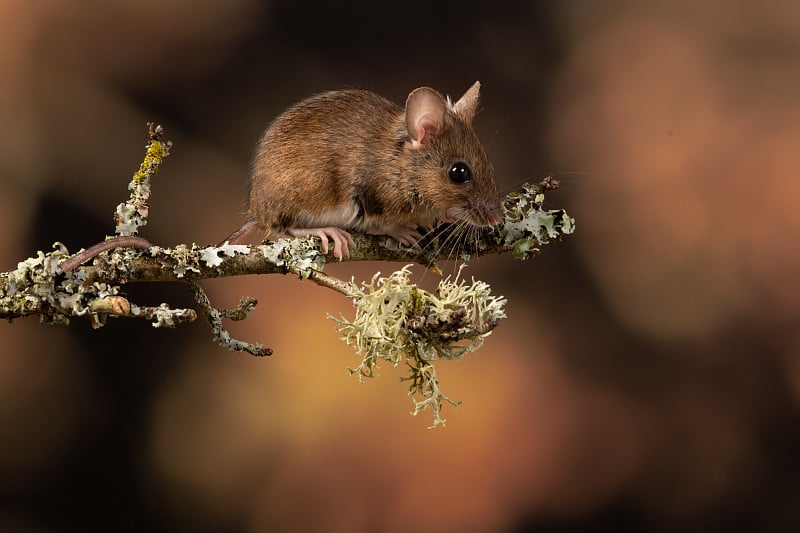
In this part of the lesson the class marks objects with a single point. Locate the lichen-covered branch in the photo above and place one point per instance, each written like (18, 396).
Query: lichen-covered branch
(527, 227)
(395, 320)
(215, 317)
(132, 214)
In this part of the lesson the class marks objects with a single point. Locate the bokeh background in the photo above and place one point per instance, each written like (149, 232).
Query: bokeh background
(647, 378)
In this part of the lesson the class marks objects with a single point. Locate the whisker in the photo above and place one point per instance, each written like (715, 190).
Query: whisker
(452, 242)
(431, 237)
(457, 240)
(458, 244)
(450, 239)
(474, 235)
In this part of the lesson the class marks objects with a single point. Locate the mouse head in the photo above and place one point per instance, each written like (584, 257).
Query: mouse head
(456, 175)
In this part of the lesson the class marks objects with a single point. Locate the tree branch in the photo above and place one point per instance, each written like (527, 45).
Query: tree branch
(394, 318)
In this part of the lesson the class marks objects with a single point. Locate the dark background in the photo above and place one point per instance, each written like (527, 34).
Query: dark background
(647, 378)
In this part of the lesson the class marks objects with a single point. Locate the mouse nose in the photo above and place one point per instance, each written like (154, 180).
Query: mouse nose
(488, 213)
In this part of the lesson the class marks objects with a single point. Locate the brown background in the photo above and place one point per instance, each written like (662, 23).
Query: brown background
(647, 378)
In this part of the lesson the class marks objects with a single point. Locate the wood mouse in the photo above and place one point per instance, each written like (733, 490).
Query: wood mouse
(353, 160)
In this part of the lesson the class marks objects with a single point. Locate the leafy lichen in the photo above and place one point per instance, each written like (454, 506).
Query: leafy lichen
(527, 226)
(300, 256)
(210, 255)
(31, 287)
(37, 286)
(185, 257)
(215, 316)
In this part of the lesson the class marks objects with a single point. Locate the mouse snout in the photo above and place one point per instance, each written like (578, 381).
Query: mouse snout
(487, 213)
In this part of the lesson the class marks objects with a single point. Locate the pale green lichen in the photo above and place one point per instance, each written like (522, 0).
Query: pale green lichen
(210, 255)
(185, 257)
(215, 316)
(166, 317)
(38, 286)
(395, 319)
(162, 316)
(425, 384)
(31, 288)
(527, 225)
(300, 256)
(128, 219)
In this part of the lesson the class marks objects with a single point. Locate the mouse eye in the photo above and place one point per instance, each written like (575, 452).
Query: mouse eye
(459, 172)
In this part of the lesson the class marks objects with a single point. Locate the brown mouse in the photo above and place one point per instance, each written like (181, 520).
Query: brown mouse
(353, 160)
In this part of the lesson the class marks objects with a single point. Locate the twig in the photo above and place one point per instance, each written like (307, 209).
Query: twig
(132, 214)
(215, 317)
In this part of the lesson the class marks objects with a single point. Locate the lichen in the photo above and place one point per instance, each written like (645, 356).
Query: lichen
(395, 319)
(215, 316)
(132, 214)
(425, 384)
(165, 317)
(527, 226)
(300, 256)
(31, 287)
(210, 255)
(185, 257)
(38, 286)
(154, 156)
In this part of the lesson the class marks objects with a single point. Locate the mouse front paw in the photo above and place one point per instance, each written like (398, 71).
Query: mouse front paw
(342, 241)
(407, 235)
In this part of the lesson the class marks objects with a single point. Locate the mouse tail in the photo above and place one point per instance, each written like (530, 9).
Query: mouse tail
(241, 235)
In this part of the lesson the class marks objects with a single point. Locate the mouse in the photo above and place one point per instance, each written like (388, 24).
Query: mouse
(351, 160)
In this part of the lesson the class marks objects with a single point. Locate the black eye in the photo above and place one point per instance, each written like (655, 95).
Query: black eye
(459, 172)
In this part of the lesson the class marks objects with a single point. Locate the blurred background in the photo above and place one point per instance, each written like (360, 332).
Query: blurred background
(647, 378)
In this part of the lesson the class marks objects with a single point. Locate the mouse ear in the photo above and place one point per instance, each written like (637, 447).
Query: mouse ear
(424, 114)
(467, 105)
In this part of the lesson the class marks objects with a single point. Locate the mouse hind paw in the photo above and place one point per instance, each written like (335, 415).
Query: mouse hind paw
(342, 241)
